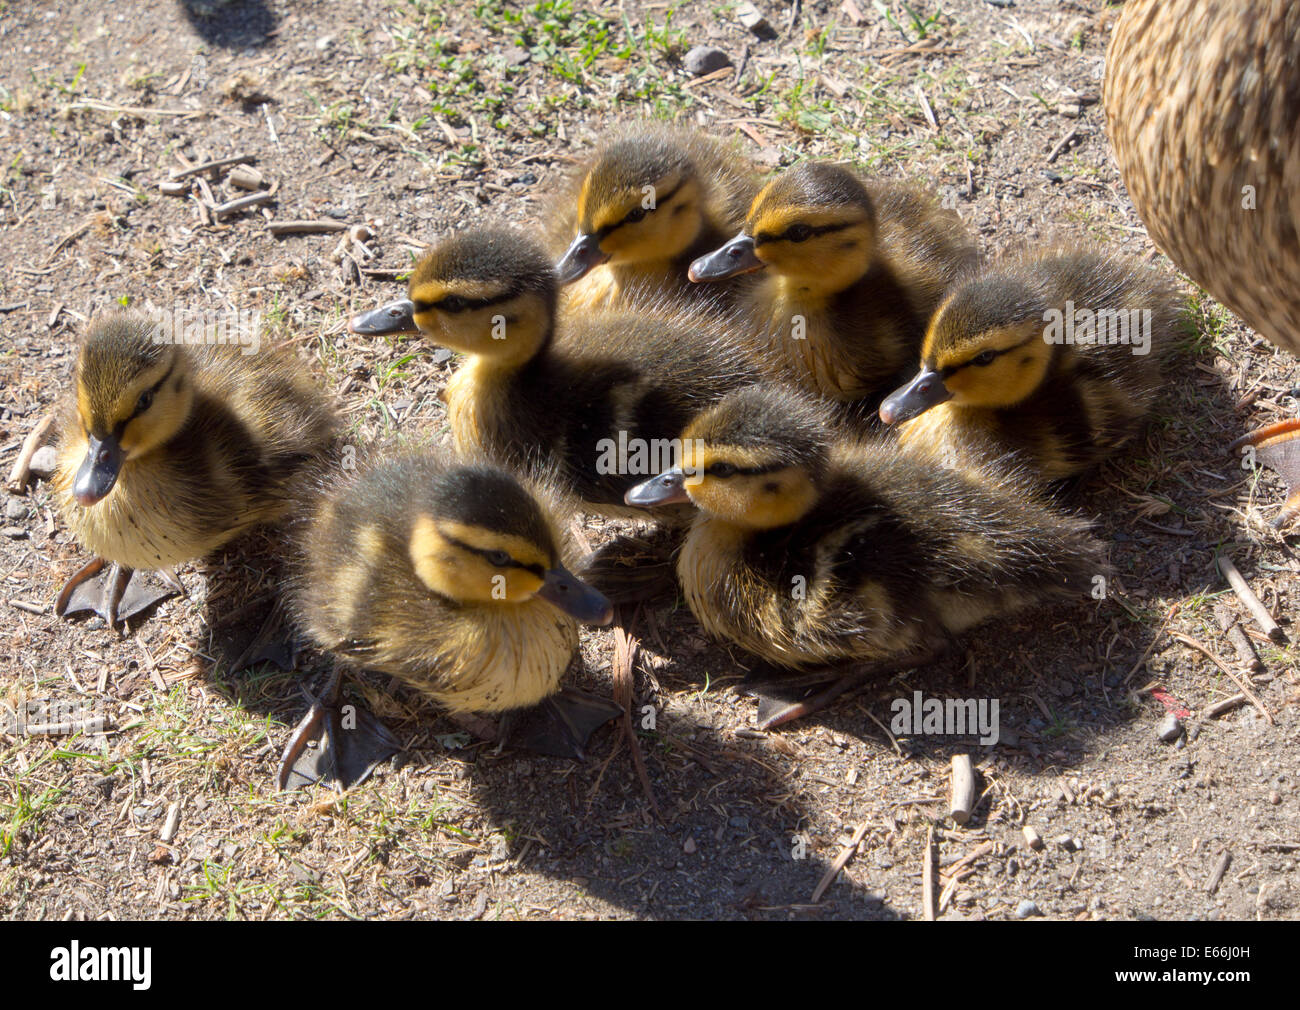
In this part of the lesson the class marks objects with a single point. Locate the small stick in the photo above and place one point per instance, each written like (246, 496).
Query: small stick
(22, 469)
(31, 608)
(963, 788)
(1220, 869)
(1227, 704)
(168, 831)
(1062, 144)
(1249, 599)
(625, 649)
(840, 862)
(238, 159)
(927, 876)
(243, 202)
(305, 227)
(1236, 678)
(1245, 652)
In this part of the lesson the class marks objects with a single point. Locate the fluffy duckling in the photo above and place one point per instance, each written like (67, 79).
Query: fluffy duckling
(851, 272)
(651, 199)
(590, 403)
(169, 451)
(1055, 356)
(808, 551)
(449, 576)
(1212, 164)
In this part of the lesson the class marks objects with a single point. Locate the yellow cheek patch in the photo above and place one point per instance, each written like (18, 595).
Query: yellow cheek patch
(519, 548)
(449, 569)
(762, 501)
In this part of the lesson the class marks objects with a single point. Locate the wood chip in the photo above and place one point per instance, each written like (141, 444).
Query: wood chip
(1252, 603)
(1220, 869)
(840, 862)
(1246, 655)
(927, 876)
(22, 468)
(963, 788)
(278, 228)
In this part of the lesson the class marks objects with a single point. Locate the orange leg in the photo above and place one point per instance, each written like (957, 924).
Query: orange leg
(1277, 446)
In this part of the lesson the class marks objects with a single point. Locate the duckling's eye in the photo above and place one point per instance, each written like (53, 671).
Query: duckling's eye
(498, 558)
(721, 470)
(983, 358)
(634, 215)
(453, 303)
(145, 401)
(798, 233)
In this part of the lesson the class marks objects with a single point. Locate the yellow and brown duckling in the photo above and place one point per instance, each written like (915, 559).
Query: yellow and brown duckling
(851, 271)
(565, 399)
(169, 451)
(808, 551)
(1054, 356)
(450, 576)
(1212, 162)
(651, 199)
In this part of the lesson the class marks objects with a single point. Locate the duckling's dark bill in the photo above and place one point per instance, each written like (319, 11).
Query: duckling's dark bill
(563, 589)
(395, 317)
(736, 257)
(579, 258)
(669, 488)
(98, 471)
(926, 390)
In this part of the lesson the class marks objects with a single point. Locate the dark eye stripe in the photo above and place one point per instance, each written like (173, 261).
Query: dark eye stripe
(749, 471)
(813, 232)
(601, 233)
(135, 411)
(483, 552)
(948, 370)
(466, 304)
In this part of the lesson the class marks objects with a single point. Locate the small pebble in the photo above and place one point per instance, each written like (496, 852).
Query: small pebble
(1034, 839)
(1275, 797)
(1027, 908)
(44, 462)
(705, 60)
(1068, 843)
(15, 508)
(688, 846)
(14, 532)
(1170, 728)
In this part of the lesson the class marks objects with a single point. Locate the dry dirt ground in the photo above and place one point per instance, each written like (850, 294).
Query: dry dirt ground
(415, 116)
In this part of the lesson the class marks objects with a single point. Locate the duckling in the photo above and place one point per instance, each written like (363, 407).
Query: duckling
(1213, 164)
(448, 575)
(811, 550)
(169, 451)
(651, 199)
(1055, 356)
(591, 403)
(852, 270)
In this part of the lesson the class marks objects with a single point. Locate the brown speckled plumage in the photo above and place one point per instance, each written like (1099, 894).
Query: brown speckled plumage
(1202, 101)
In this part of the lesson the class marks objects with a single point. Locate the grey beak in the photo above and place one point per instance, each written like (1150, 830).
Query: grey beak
(98, 471)
(926, 390)
(669, 488)
(563, 589)
(579, 258)
(736, 257)
(395, 317)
